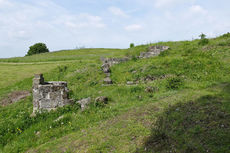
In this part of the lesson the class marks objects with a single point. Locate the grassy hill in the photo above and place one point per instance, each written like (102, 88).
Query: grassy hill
(186, 110)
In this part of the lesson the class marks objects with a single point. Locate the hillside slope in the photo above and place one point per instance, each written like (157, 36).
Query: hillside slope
(179, 102)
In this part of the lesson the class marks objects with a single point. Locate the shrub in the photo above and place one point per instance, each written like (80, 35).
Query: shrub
(203, 40)
(174, 83)
(225, 35)
(134, 58)
(131, 45)
(37, 49)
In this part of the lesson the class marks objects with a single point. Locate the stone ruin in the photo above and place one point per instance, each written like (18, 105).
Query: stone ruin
(153, 51)
(108, 62)
(49, 95)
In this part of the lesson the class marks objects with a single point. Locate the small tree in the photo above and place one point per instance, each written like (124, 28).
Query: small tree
(37, 49)
(203, 39)
(202, 36)
(131, 45)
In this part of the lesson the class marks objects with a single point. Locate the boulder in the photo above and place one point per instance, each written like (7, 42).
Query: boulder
(106, 68)
(150, 89)
(84, 103)
(108, 80)
(102, 100)
(130, 83)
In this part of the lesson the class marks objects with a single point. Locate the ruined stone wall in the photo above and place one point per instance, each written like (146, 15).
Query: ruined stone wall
(49, 95)
(153, 51)
(108, 62)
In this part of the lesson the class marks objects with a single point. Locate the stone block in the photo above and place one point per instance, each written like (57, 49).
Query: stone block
(49, 95)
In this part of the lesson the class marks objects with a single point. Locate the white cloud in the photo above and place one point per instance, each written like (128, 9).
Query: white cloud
(118, 12)
(5, 5)
(169, 3)
(81, 21)
(197, 9)
(133, 27)
(23, 24)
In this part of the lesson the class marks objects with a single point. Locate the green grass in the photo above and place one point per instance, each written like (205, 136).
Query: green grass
(191, 87)
(65, 55)
(12, 73)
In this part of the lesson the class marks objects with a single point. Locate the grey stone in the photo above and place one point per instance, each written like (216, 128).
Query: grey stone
(49, 95)
(153, 51)
(149, 89)
(106, 68)
(108, 80)
(130, 83)
(102, 100)
(84, 103)
(107, 63)
(59, 118)
(108, 74)
(113, 61)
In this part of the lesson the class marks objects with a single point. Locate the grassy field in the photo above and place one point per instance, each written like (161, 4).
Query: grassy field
(66, 55)
(188, 109)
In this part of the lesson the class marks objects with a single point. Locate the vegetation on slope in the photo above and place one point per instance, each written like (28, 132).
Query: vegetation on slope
(187, 110)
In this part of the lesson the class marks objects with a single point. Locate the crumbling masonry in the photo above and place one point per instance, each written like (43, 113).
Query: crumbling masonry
(49, 95)
(108, 62)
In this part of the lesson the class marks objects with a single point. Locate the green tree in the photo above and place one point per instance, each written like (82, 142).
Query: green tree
(203, 39)
(202, 36)
(131, 45)
(37, 49)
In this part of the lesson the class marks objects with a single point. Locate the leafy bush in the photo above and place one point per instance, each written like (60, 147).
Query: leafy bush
(37, 48)
(174, 83)
(131, 45)
(226, 35)
(134, 58)
(203, 40)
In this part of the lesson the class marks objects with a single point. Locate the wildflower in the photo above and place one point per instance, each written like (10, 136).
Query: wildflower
(19, 130)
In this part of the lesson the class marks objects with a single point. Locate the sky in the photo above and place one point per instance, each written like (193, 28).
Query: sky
(69, 24)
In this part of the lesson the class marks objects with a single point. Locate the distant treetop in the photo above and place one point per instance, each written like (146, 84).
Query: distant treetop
(37, 49)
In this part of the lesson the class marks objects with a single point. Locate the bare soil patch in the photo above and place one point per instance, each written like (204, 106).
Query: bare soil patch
(14, 97)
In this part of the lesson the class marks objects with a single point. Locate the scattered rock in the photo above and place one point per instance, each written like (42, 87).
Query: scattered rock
(130, 83)
(108, 80)
(108, 74)
(153, 51)
(84, 103)
(134, 72)
(59, 118)
(150, 89)
(113, 61)
(14, 97)
(106, 68)
(107, 63)
(140, 97)
(102, 100)
(38, 133)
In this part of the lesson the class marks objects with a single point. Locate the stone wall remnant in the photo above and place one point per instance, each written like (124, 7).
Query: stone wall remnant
(108, 62)
(153, 51)
(49, 95)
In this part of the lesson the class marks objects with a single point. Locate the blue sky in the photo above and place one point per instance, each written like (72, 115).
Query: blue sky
(67, 24)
